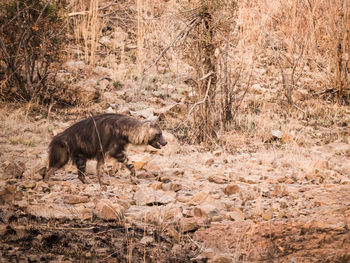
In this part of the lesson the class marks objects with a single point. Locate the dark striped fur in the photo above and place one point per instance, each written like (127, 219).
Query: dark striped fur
(99, 136)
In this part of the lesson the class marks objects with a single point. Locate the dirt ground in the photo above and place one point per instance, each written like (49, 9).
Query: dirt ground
(263, 204)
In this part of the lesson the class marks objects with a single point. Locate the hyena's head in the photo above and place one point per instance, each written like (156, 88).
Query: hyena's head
(154, 134)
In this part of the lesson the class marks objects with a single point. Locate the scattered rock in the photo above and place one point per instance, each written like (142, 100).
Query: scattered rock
(268, 215)
(321, 164)
(279, 191)
(147, 240)
(142, 162)
(217, 153)
(149, 196)
(198, 198)
(157, 186)
(7, 194)
(192, 224)
(206, 210)
(107, 210)
(209, 162)
(231, 189)
(218, 179)
(276, 134)
(236, 215)
(75, 199)
(52, 211)
(172, 186)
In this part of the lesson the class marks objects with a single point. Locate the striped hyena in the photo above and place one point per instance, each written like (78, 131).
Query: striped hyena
(98, 136)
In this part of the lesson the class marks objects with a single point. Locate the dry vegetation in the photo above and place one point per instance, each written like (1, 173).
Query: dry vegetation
(238, 77)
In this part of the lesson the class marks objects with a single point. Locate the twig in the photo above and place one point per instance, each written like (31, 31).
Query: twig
(182, 34)
(205, 76)
(299, 109)
(202, 101)
(86, 12)
(245, 91)
(99, 138)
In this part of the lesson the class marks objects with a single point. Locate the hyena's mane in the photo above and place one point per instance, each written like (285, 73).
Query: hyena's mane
(137, 132)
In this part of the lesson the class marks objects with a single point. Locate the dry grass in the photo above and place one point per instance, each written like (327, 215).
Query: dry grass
(87, 27)
(287, 27)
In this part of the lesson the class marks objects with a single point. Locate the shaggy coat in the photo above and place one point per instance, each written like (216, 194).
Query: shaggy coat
(97, 136)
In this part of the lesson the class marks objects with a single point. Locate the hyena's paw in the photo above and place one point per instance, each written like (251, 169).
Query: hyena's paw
(134, 180)
(82, 179)
(102, 182)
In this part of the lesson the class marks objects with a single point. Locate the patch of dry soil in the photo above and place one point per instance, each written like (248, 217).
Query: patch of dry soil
(273, 204)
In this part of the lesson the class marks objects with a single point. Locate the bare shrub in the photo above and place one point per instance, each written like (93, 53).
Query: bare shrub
(308, 41)
(31, 38)
(206, 50)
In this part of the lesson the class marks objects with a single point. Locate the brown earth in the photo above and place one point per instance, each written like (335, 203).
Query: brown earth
(267, 203)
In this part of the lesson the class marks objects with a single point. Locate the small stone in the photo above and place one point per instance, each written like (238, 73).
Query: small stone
(147, 240)
(172, 186)
(217, 179)
(75, 199)
(29, 184)
(141, 163)
(107, 210)
(209, 162)
(277, 134)
(321, 164)
(7, 194)
(156, 185)
(268, 215)
(231, 189)
(289, 181)
(206, 210)
(281, 179)
(147, 196)
(236, 215)
(257, 210)
(183, 198)
(198, 198)
(217, 153)
(279, 191)
(191, 224)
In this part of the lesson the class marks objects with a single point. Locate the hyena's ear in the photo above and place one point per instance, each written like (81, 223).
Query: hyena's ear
(151, 118)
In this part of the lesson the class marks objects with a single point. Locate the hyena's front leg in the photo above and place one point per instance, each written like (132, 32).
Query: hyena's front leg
(122, 158)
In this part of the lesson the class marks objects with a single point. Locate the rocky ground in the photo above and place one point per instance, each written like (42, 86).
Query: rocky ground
(273, 203)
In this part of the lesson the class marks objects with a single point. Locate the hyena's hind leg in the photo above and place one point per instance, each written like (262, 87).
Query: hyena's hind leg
(80, 162)
(58, 157)
(46, 173)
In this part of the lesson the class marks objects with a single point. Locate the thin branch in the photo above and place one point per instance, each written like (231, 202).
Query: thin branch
(99, 138)
(202, 101)
(87, 12)
(181, 35)
(245, 91)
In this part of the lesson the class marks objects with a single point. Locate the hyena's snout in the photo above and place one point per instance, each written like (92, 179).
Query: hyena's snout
(162, 141)
(158, 142)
